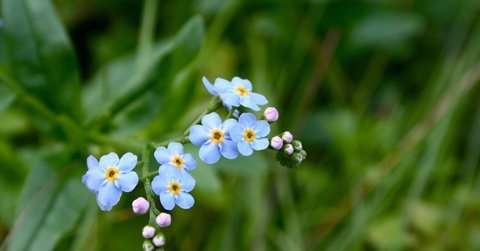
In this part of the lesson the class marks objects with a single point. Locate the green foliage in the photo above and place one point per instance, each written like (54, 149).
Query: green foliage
(383, 95)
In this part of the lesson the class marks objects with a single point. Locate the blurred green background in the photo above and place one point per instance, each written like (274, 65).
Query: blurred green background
(383, 94)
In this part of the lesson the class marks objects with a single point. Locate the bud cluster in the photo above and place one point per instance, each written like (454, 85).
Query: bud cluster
(290, 152)
(155, 241)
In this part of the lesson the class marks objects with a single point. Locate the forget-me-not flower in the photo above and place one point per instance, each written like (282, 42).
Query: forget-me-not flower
(250, 134)
(173, 157)
(235, 93)
(214, 138)
(173, 188)
(109, 177)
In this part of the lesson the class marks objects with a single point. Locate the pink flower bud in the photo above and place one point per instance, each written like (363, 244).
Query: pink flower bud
(276, 143)
(289, 149)
(287, 136)
(164, 219)
(271, 114)
(159, 240)
(140, 205)
(148, 232)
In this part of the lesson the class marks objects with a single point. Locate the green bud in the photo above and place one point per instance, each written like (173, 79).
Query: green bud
(298, 157)
(148, 246)
(303, 153)
(297, 145)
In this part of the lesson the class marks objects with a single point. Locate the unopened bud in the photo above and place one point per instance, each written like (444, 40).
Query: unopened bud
(164, 220)
(287, 136)
(140, 205)
(303, 153)
(159, 240)
(148, 232)
(297, 145)
(271, 114)
(276, 143)
(148, 246)
(288, 149)
(298, 158)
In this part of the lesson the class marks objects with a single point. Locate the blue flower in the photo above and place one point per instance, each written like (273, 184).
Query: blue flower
(214, 138)
(109, 177)
(173, 157)
(235, 93)
(173, 188)
(250, 134)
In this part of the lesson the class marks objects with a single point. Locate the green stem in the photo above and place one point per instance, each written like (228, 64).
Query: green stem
(147, 186)
(149, 175)
(215, 103)
(145, 39)
(142, 67)
(65, 122)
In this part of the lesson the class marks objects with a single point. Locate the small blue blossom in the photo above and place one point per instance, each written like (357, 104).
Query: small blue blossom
(236, 93)
(173, 188)
(173, 157)
(250, 134)
(214, 138)
(109, 177)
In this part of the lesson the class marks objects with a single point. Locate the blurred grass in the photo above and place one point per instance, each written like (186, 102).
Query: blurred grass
(384, 95)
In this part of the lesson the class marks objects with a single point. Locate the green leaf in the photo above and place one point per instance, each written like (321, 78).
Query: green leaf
(120, 78)
(48, 208)
(6, 97)
(386, 29)
(38, 192)
(39, 54)
(62, 216)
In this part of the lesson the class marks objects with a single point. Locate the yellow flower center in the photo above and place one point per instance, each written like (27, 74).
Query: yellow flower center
(111, 174)
(217, 136)
(174, 187)
(177, 161)
(241, 90)
(249, 135)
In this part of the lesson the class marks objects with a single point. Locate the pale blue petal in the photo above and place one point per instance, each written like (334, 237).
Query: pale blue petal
(128, 181)
(247, 119)
(110, 159)
(187, 181)
(229, 149)
(209, 153)
(248, 102)
(185, 200)
(128, 162)
(168, 171)
(260, 144)
(167, 200)
(236, 132)
(258, 99)
(92, 162)
(175, 148)
(244, 148)
(244, 82)
(212, 120)
(190, 162)
(198, 135)
(222, 85)
(210, 88)
(108, 196)
(161, 155)
(93, 179)
(227, 124)
(159, 184)
(230, 99)
(262, 128)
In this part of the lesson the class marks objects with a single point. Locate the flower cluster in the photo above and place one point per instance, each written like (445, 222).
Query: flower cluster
(241, 132)
(290, 152)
